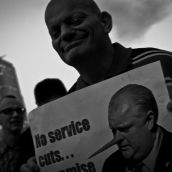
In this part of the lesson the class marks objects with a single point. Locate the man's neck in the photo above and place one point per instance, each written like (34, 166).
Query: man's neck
(96, 70)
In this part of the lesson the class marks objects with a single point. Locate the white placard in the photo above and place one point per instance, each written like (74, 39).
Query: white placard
(68, 130)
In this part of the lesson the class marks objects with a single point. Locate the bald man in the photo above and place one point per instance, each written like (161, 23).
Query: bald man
(143, 144)
(79, 32)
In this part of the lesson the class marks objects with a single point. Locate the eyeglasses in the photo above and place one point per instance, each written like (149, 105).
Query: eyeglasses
(10, 111)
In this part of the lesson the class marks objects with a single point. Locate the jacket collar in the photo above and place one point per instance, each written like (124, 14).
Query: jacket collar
(120, 64)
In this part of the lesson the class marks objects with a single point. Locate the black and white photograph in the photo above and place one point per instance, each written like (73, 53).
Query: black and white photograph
(54, 52)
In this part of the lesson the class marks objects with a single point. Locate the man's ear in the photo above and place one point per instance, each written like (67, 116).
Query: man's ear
(150, 120)
(106, 20)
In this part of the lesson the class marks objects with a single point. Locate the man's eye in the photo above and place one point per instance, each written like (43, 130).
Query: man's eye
(76, 20)
(124, 129)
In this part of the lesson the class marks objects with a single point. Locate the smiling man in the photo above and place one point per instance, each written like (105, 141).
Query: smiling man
(71, 36)
(143, 144)
(80, 34)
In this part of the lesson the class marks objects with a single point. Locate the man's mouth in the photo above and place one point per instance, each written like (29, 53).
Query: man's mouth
(74, 42)
(71, 45)
(124, 147)
(16, 122)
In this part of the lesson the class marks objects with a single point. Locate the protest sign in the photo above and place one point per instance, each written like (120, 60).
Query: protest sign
(70, 133)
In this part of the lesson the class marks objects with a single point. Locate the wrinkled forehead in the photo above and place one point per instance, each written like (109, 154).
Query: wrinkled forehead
(121, 115)
(119, 109)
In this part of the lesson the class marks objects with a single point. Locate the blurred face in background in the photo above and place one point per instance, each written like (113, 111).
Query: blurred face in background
(12, 114)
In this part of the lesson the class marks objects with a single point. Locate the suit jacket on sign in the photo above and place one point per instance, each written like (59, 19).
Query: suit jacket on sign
(116, 163)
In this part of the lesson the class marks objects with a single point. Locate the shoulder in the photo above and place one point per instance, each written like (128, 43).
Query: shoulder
(147, 55)
(79, 84)
(143, 56)
(26, 140)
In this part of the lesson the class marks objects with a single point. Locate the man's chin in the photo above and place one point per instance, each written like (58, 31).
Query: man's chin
(72, 58)
(126, 154)
(16, 129)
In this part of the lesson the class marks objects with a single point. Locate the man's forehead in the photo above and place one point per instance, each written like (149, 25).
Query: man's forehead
(122, 106)
(57, 6)
(70, 2)
(119, 109)
(121, 116)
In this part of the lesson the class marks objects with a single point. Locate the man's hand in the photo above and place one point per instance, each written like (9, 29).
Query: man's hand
(30, 166)
(169, 106)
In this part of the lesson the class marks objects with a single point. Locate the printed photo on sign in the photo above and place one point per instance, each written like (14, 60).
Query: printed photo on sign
(78, 132)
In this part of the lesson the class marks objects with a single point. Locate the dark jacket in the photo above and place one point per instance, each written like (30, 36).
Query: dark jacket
(126, 59)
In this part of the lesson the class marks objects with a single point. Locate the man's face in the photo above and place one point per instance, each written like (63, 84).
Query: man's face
(130, 129)
(76, 31)
(12, 116)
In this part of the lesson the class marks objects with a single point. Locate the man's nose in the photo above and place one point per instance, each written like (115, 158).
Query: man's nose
(118, 136)
(67, 32)
(15, 113)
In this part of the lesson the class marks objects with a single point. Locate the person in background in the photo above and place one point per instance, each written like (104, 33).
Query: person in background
(144, 146)
(49, 89)
(80, 35)
(12, 114)
(15, 148)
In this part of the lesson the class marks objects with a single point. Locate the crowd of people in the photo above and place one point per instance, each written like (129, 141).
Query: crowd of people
(79, 30)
